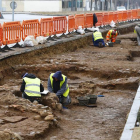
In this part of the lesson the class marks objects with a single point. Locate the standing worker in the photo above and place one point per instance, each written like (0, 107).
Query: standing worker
(97, 38)
(137, 30)
(57, 83)
(95, 20)
(111, 35)
(31, 87)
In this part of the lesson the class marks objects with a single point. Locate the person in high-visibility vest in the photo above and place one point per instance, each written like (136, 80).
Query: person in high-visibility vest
(97, 38)
(111, 35)
(31, 87)
(137, 31)
(57, 83)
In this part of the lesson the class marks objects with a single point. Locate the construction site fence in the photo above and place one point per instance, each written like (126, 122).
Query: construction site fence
(13, 32)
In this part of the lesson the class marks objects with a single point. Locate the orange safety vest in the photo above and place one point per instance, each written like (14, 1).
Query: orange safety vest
(110, 36)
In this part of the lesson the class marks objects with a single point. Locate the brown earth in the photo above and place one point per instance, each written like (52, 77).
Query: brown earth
(111, 71)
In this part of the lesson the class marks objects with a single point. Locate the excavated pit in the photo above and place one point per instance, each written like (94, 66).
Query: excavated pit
(90, 70)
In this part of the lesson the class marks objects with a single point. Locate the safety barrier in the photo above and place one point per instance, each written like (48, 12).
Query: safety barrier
(1, 37)
(46, 27)
(59, 25)
(129, 15)
(120, 16)
(138, 13)
(88, 20)
(100, 19)
(30, 27)
(124, 16)
(79, 21)
(111, 16)
(106, 18)
(134, 14)
(11, 32)
(71, 23)
(115, 17)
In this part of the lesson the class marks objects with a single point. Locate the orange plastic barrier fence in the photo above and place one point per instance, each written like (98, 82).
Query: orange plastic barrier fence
(30, 27)
(138, 13)
(111, 16)
(88, 20)
(134, 14)
(115, 17)
(46, 27)
(124, 16)
(129, 14)
(1, 35)
(79, 21)
(120, 16)
(71, 23)
(100, 19)
(106, 18)
(59, 25)
(11, 32)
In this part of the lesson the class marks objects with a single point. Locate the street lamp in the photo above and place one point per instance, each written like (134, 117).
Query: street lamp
(13, 6)
(12, 10)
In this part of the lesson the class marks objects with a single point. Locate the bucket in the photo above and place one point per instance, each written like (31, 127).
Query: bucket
(83, 100)
(92, 99)
(110, 44)
(118, 41)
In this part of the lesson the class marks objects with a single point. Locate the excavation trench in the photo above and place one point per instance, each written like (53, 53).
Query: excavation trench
(90, 70)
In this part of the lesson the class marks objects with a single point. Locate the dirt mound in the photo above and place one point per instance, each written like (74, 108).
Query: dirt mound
(90, 70)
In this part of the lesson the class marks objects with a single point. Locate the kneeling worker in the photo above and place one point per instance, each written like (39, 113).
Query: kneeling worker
(111, 35)
(137, 30)
(97, 38)
(57, 83)
(31, 87)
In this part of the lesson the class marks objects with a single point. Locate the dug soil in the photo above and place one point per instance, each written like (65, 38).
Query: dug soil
(113, 72)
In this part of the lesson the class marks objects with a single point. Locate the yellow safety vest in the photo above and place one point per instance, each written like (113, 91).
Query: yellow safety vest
(32, 87)
(65, 94)
(97, 35)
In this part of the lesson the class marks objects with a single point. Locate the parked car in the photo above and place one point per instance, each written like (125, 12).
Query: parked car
(121, 8)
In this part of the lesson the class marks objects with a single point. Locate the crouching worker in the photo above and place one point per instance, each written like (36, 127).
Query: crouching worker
(137, 30)
(57, 83)
(31, 87)
(111, 35)
(97, 38)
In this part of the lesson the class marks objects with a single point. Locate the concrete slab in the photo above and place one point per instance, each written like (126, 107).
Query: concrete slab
(132, 117)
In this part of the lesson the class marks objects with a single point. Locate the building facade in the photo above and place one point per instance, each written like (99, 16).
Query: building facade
(68, 5)
(33, 5)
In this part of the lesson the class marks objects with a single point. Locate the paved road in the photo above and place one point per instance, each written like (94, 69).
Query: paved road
(21, 17)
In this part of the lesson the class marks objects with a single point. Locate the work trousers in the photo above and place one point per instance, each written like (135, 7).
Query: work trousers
(32, 99)
(137, 28)
(64, 100)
